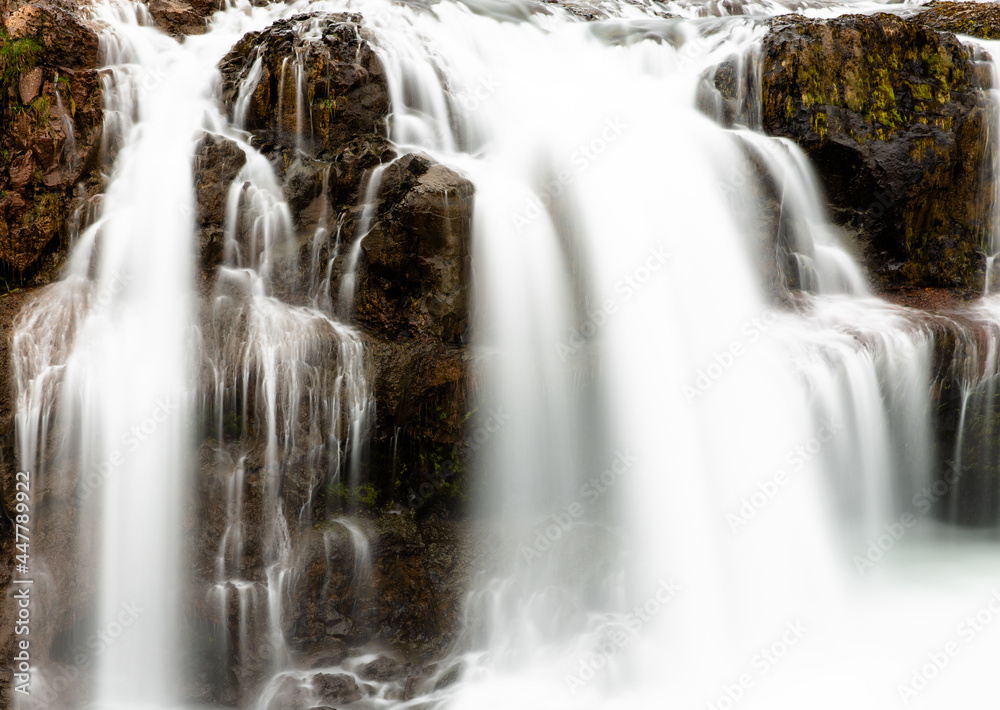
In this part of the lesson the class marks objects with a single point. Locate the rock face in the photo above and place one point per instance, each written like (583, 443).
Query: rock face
(51, 116)
(416, 256)
(894, 117)
(973, 19)
(412, 271)
(182, 17)
(218, 162)
(312, 81)
(411, 274)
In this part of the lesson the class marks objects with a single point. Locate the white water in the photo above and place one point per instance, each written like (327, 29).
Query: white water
(669, 292)
(603, 320)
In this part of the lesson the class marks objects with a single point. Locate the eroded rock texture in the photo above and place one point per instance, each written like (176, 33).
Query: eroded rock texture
(894, 118)
(51, 120)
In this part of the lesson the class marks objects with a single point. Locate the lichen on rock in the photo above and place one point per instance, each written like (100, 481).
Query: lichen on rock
(895, 119)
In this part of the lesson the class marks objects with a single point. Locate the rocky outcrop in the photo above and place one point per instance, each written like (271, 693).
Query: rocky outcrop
(894, 116)
(51, 114)
(416, 256)
(311, 82)
(182, 17)
(412, 279)
(963, 18)
(218, 162)
(326, 144)
(896, 123)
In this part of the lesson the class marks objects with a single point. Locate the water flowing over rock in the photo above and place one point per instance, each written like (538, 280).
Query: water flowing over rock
(445, 355)
(894, 117)
(317, 82)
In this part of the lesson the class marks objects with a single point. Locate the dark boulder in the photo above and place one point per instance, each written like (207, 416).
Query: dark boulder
(414, 275)
(336, 688)
(895, 119)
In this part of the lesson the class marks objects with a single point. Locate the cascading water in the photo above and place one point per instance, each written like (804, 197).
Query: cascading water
(595, 224)
(714, 455)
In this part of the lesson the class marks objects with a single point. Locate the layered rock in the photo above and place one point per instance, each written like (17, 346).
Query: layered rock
(412, 278)
(326, 140)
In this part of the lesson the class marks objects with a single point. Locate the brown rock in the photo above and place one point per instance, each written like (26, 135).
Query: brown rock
(30, 84)
(217, 163)
(21, 170)
(346, 83)
(890, 114)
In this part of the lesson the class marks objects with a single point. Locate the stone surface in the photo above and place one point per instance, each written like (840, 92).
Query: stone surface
(343, 88)
(893, 116)
(52, 117)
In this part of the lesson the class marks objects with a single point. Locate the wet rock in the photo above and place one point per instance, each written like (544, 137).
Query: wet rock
(964, 18)
(414, 275)
(182, 17)
(52, 113)
(30, 84)
(337, 688)
(342, 92)
(62, 34)
(891, 114)
(383, 669)
(218, 162)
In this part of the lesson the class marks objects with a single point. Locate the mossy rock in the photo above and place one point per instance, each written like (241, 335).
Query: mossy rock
(965, 18)
(894, 116)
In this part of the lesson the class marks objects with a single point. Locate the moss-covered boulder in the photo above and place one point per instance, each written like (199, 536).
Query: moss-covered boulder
(965, 18)
(893, 115)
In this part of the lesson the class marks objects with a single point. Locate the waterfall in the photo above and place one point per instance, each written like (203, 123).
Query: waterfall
(671, 422)
(717, 483)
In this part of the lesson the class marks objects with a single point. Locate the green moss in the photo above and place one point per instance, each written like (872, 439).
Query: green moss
(973, 19)
(363, 496)
(16, 56)
(43, 207)
(232, 425)
(42, 107)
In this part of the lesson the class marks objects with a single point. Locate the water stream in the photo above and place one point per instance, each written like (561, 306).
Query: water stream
(714, 494)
